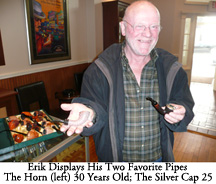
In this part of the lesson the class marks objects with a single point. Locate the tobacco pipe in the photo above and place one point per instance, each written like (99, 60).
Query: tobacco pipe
(169, 108)
(18, 138)
(13, 124)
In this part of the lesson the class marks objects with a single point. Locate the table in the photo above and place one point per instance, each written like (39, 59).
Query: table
(48, 155)
(46, 150)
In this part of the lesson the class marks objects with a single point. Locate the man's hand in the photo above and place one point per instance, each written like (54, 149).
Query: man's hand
(177, 115)
(75, 109)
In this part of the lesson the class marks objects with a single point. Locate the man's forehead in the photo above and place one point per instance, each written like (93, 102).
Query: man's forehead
(142, 11)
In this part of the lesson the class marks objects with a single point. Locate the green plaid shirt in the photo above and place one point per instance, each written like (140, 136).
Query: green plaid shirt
(142, 130)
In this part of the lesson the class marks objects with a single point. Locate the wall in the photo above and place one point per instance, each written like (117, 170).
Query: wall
(167, 23)
(13, 31)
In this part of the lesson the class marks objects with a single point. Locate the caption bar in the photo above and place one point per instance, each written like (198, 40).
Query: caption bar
(191, 173)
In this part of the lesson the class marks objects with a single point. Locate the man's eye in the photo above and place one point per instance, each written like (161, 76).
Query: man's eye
(154, 27)
(138, 27)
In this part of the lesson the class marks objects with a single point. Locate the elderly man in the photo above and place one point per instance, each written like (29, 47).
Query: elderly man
(123, 123)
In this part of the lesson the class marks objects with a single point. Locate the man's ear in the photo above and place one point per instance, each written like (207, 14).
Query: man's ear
(122, 26)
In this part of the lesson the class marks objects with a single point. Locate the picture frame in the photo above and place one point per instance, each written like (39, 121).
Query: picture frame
(48, 31)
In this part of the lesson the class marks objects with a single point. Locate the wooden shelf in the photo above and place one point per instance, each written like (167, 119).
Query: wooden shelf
(113, 12)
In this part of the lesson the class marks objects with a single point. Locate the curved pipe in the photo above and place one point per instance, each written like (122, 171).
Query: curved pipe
(156, 106)
(83, 117)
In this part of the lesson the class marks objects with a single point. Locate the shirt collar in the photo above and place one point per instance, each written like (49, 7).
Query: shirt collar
(153, 54)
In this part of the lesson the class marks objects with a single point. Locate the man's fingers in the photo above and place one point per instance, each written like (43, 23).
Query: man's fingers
(171, 119)
(66, 107)
(64, 128)
(71, 131)
(89, 124)
(80, 116)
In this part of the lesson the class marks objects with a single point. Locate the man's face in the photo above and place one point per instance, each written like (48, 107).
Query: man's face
(141, 32)
(37, 24)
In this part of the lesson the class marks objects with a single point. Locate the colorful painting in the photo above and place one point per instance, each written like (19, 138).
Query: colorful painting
(48, 30)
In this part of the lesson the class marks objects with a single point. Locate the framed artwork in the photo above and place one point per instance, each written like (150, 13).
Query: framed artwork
(47, 30)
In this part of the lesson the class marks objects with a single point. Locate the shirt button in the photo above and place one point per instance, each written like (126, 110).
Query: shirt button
(142, 126)
(141, 108)
(142, 145)
(138, 91)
